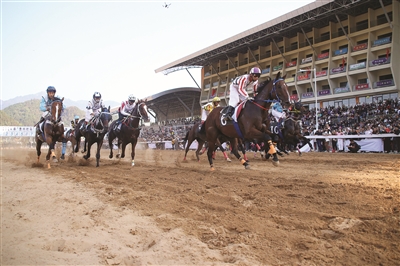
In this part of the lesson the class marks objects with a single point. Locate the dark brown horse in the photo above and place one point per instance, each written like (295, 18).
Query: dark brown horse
(50, 131)
(96, 130)
(249, 124)
(69, 136)
(292, 131)
(195, 134)
(130, 130)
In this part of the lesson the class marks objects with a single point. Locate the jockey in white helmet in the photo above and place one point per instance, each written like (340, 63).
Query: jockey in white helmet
(125, 110)
(238, 90)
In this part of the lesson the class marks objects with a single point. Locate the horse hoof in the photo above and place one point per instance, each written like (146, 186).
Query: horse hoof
(275, 163)
(133, 164)
(212, 169)
(62, 157)
(228, 160)
(110, 156)
(247, 167)
(118, 156)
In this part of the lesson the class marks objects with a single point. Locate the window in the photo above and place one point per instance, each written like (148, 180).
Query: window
(343, 84)
(309, 90)
(325, 36)
(362, 81)
(362, 25)
(325, 51)
(385, 35)
(384, 77)
(343, 46)
(346, 30)
(325, 87)
(362, 60)
(362, 41)
(381, 19)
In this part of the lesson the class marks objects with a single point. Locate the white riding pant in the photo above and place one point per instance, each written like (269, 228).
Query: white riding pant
(278, 115)
(235, 97)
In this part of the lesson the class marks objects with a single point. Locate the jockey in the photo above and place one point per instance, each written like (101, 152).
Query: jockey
(46, 103)
(125, 110)
(277, 112)
(74, 122)
(207, 108)
(238, 90)
(94, 108)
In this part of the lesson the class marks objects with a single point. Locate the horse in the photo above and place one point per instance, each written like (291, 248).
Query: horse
(50, 131)
(130, 130)
(249, 125)
(96, 130)
(195, 134)
(292, 130)
(69, 136)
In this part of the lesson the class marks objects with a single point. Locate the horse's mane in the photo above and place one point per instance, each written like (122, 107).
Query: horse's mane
(263, 85)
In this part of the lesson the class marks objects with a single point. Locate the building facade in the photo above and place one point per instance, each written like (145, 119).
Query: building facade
(335, 53)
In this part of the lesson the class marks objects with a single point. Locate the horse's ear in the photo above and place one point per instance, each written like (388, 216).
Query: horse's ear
(62, 99)
(278, 75)
(109, 108)
(284, 77)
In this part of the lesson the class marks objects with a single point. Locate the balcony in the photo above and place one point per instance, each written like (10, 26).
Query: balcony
(383, 83)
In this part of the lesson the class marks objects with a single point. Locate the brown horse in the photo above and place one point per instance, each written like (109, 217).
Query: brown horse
(249, 125)
(129, 132)
(69, 136)
(195, 134)
(50, 131)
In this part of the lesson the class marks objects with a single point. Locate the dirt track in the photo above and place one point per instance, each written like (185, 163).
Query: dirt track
(318, 209)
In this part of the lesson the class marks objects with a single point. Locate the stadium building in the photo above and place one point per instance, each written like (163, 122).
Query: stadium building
(333, 52)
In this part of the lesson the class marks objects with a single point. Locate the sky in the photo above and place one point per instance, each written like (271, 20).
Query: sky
(114, 47)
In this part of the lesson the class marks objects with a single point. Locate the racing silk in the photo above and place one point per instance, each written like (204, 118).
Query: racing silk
(277, 107)
(95, 107)
(46, 103)
(205, 110)
(242, 83)
(126, 108)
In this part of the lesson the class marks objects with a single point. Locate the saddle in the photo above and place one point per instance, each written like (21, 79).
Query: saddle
(236, 113)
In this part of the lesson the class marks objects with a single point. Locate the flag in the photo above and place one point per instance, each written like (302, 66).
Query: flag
(343, 62)
(387, 53)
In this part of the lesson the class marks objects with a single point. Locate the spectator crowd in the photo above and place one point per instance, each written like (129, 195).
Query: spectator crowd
(362, 119)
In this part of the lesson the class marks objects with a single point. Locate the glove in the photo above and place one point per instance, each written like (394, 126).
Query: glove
(250, 98)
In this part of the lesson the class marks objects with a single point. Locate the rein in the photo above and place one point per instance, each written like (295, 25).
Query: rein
(97, 120)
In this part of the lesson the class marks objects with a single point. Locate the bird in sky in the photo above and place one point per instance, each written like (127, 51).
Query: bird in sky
(165, 5)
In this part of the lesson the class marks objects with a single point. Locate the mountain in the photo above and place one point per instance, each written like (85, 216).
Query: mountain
(28, 113)
(81, 104)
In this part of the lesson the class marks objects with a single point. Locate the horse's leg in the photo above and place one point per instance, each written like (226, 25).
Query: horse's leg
(38, 146)
(78, 142)
(189, 142)
(200, 144)
(211, 147)
(224, 153)
(119, 143)
(111, 137)
(89, 146)
(235, 151)
(133, 152)
(99, 144)
(124, 143)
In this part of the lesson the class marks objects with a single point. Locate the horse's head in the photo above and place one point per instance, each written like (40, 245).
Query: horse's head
(55, 110)
(103, 120)
(140, 110)
(280, 90)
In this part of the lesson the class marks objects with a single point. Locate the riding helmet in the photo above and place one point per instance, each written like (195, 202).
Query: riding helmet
(216, 99)
(97, 95)
(131, 98)
(255, 70)
(51, 89)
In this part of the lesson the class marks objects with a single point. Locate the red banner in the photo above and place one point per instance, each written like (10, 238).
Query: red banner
(360, 47)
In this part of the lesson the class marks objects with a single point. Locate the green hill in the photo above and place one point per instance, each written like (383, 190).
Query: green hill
(28, 113)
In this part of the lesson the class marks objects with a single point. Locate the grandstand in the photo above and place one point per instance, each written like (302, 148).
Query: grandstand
(349, 49)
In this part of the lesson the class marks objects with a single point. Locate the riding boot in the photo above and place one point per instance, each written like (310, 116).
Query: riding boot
(118, 128)
(229, 112)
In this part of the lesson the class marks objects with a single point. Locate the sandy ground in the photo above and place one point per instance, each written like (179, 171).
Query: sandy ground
(317, 209)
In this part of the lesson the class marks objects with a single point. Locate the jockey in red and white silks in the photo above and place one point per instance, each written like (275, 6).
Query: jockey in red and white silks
(238, 89)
